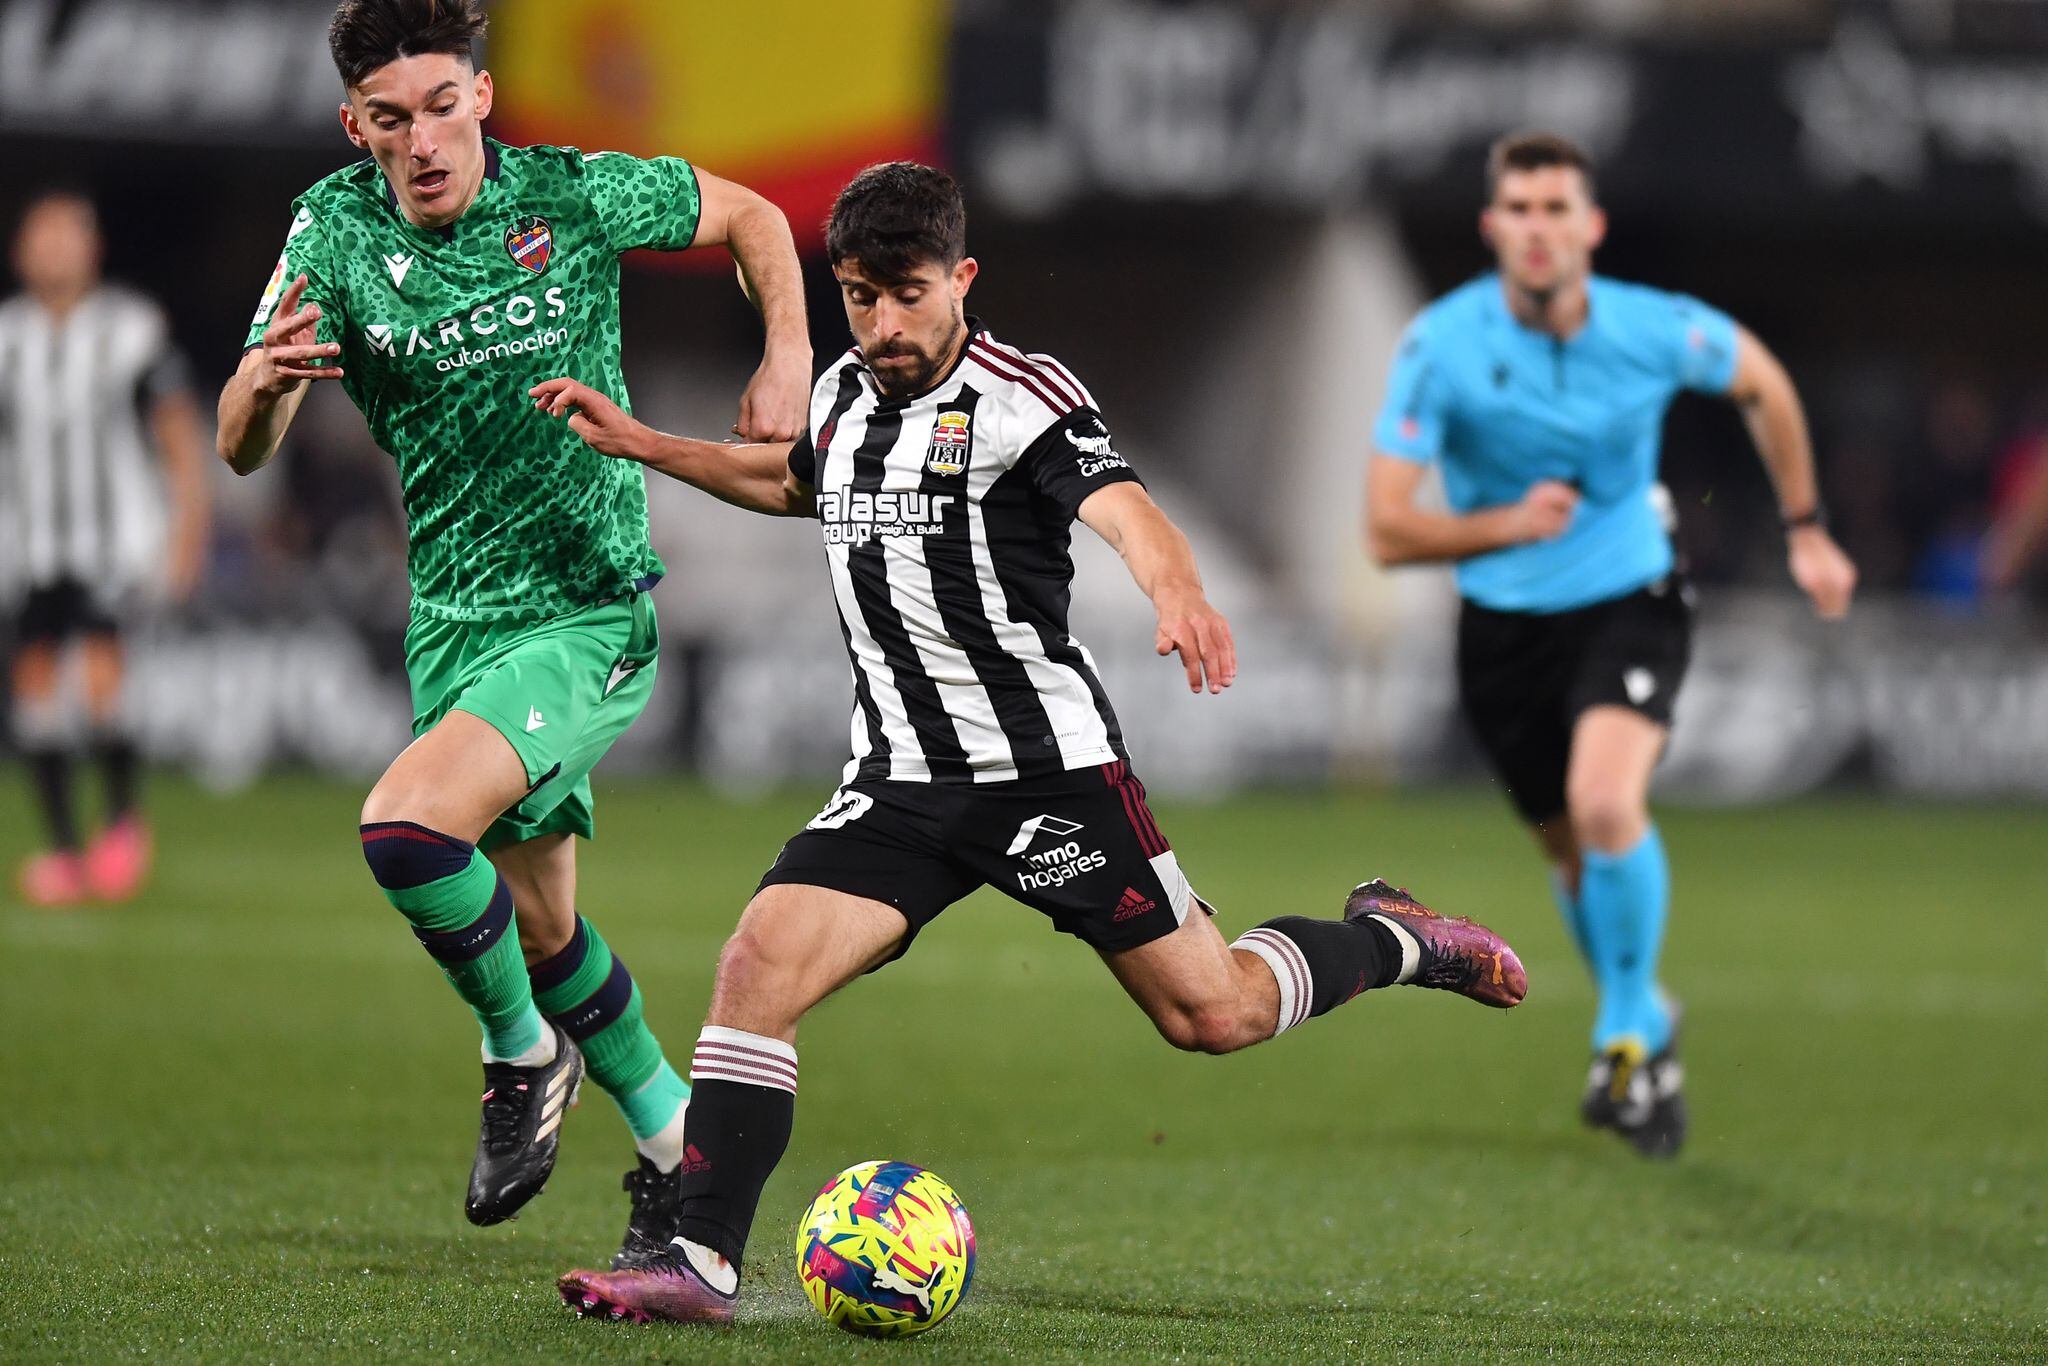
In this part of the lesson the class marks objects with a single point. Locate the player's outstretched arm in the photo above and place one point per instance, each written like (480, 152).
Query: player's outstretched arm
(264, 395)
(1163, 563)
(1398, 531)
(756, 476)
(174, 424)
(1770, 408)
(777, 399)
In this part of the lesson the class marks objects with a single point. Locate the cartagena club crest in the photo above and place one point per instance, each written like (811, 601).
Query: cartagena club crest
(531, 242)
(951, 438)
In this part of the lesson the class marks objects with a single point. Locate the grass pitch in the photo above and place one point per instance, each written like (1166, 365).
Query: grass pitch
(239, 1115)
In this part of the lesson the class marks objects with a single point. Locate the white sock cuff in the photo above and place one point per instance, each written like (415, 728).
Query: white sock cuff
(1290, 972)
(751, 1059)
(1411, 952)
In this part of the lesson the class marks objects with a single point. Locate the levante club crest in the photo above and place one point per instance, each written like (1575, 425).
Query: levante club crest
(531, 242)
(951, 438)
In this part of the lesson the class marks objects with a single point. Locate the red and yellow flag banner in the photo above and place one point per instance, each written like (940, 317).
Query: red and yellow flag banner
(788, 97)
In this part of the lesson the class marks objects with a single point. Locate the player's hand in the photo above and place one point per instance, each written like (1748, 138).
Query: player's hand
(292, 350)
(1822, 571)
(1189, 625)
(776, 406)
(603, 425)
(1546, 510)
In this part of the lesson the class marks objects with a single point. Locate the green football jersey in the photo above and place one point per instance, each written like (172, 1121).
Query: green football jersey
(443, 330)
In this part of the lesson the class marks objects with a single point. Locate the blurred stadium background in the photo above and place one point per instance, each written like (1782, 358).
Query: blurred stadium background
(1220, 216)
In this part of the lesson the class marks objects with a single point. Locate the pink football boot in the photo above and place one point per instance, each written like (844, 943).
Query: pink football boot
(117, 864)
(55, 879)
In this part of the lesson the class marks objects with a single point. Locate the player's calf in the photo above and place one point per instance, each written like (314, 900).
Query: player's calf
(795, 945)
(1384, 938)
(586, 990)
(742, 1108)
(461, 912)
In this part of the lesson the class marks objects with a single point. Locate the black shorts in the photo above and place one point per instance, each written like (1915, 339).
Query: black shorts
(55, 612)
(1081, 847)
(1525, 677)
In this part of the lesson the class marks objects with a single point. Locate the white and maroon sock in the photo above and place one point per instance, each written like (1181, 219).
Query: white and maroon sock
(742, 1106)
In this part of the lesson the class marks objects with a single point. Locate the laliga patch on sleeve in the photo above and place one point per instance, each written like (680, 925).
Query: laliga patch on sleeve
(302, 220)
(271, 291)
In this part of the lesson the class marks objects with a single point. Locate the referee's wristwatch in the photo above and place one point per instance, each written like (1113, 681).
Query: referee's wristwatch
(1813, 516)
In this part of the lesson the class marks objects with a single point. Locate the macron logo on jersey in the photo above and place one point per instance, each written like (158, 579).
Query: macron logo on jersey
(398, 266)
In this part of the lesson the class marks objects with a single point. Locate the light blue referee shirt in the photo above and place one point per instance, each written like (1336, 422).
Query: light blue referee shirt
(1502, 406)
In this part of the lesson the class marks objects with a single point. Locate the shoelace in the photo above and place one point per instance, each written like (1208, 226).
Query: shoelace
(1452, 970)
(646, 1190)
(505, 1107)
(640, 1187)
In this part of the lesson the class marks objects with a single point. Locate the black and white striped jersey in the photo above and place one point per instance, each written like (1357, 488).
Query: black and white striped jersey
(80, 497)
(946, 520)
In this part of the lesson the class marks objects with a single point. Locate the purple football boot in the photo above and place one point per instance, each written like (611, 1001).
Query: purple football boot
(1457, 954)
(666, 1287)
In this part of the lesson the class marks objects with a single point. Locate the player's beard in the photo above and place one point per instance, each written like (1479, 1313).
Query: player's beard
(914, 379)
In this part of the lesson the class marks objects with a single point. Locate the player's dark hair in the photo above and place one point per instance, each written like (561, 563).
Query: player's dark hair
(1533, 152)
(896, 216)
(368, 34)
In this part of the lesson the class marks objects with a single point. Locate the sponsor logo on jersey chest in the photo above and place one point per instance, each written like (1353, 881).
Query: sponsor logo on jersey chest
(952, 439)
(519, 325)
(858, 518)
(531, 242)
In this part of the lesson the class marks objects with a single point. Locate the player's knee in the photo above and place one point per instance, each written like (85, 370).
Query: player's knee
(403, 855)
(387, 803)
(396, 798)
(752, 965)
(1202, 1030)
(758, 987)
(42, 721)
(1606, 820)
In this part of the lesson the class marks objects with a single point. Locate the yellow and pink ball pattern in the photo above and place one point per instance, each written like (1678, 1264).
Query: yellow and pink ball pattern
(886, 1250)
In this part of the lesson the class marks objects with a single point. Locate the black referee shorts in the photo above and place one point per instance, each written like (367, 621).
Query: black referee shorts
(1525, 677)
(61, 610)
(1082, 848)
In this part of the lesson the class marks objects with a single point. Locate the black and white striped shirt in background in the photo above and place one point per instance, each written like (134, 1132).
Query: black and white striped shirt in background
(946, 521)
(80, 494)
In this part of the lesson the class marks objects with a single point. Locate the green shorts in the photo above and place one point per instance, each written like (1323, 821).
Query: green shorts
(560, 691)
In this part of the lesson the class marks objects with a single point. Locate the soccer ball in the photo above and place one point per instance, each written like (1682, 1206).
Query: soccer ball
(886, 1250)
